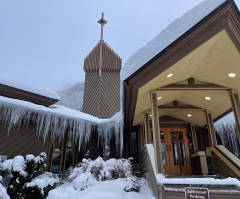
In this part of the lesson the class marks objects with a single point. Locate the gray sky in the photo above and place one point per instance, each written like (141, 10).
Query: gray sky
(44, 42)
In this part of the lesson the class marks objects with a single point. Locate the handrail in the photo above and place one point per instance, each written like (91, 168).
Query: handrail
(220, 151)
(151, 171)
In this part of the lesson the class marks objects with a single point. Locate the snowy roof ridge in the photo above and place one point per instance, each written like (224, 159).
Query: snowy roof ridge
(24, 86)
(56, 120)
(168, 35)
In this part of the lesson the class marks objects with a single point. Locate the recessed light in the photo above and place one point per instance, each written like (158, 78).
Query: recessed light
(150, 115)
(170, 75)
(207, 98)
(159, 98)
(189, 115)
(231, 75)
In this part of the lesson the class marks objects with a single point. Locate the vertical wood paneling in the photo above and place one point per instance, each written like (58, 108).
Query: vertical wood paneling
(22, 141)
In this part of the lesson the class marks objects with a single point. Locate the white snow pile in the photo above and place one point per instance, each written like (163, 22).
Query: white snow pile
(168, 36)
(3, 191)
(18, 165)
(111, 189)
(46, 92)
(102, 179)
(56, 120)
(43, 181)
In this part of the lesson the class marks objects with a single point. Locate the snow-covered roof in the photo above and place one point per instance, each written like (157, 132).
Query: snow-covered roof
(56, 120)
(24, 86)
(167, 36)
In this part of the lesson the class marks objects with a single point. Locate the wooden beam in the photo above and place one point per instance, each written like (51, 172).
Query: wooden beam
(146, 127)
(179, 108)
(175, 103)
(155, 127)
(191, 81)
(192, 87)
(235, 108)
(194, 138)
(211, 131)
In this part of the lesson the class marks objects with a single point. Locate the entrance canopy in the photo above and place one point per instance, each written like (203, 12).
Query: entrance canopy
(209, 65)
(197, 72)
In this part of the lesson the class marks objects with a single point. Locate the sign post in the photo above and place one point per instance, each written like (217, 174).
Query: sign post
(196, 193)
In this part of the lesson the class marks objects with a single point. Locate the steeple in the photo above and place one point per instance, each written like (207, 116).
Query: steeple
(102, 68)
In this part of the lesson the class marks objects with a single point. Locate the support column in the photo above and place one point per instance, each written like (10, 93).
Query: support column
(155, 127)
(211, 131)
(142, 135)
(194, 138)
(235, 108)
(146, 127)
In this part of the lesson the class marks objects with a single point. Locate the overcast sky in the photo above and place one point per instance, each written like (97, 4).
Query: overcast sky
(44, 42)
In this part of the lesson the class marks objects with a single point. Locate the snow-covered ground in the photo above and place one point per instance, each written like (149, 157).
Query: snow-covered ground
(111, 189)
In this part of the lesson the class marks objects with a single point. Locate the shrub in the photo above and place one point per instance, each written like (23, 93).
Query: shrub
(28, 178)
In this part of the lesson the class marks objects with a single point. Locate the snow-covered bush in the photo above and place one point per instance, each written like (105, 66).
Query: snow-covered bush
(90, 172)
(133, 183)
(27, 177)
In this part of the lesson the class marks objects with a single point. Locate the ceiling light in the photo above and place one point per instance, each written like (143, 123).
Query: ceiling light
(150, 115)
(231, 75)
(159, 98)
(189, 115)
(207, 98)
(170, 75)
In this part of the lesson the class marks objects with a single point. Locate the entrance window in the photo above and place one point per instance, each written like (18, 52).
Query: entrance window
(183, 154)
(63, 153)
(57, 156)
(175, 153)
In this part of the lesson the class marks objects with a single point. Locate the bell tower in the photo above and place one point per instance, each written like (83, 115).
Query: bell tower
(102, 68)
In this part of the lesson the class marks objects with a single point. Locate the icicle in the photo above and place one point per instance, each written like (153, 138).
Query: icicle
(49, 123)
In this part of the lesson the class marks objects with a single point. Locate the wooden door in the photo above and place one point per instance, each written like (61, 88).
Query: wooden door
(175, 151)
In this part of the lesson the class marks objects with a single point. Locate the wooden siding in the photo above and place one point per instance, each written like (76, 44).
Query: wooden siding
(91, 93)
(109, 94)
(110, 59)
(102, 94)
(23, 141)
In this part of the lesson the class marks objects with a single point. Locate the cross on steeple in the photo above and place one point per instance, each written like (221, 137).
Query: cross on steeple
(102, 21)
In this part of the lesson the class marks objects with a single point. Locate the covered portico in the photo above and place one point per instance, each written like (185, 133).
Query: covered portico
(195, 81)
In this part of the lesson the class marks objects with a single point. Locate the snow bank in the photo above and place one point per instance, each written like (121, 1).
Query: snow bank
(30, 88)
(103, 190)
(168, 36)
(56, 120)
